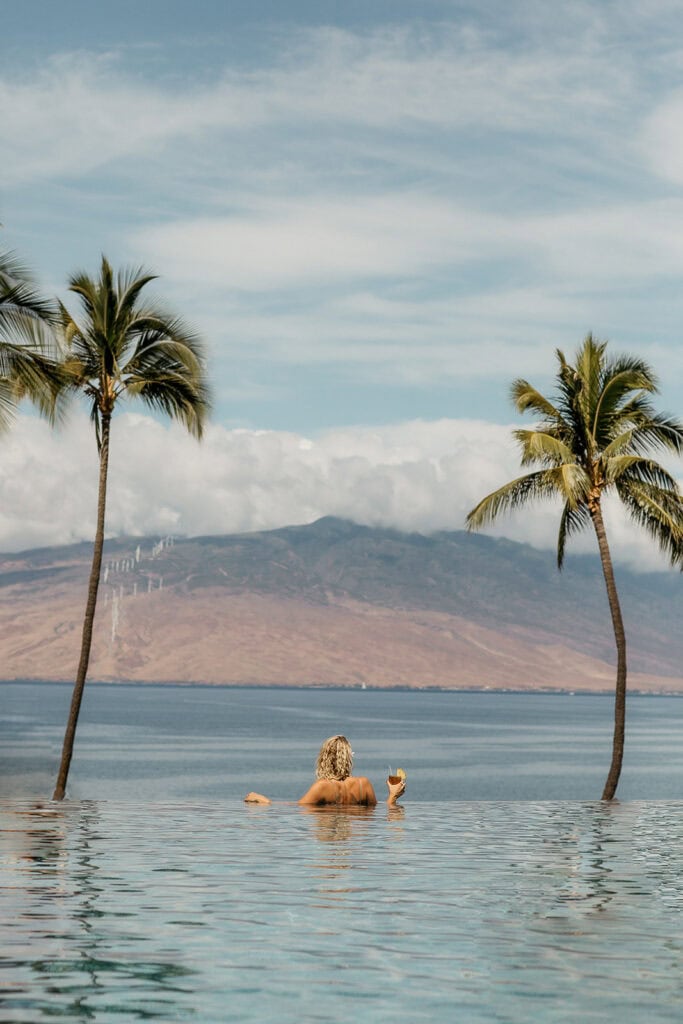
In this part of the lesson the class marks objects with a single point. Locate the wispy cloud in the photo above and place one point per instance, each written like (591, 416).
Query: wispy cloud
(293, 242)
(81, 111)
(660, 137)
(296, 242)
(398, 281)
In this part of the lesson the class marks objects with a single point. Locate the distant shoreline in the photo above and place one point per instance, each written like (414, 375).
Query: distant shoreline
(351, 687)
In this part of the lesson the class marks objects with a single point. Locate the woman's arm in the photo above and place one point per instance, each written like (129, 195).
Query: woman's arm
(324, 791)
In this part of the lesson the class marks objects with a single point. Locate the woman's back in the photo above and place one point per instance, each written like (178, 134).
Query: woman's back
(354, 790)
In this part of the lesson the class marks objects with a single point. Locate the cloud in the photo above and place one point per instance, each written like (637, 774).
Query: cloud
(277, 244)
(81, 111)
(661, 140)
(293, 242)
(418, 206)
(410, 286)
(421, 476)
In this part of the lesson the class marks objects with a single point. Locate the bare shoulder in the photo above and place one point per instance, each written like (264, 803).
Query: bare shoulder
(324, 791)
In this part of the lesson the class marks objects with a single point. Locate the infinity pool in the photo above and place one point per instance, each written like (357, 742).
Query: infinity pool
(220, 912)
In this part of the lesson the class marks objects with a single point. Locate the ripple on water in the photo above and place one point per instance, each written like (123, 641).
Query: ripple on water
(217, 912)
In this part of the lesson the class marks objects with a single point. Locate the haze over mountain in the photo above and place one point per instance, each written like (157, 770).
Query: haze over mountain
(334, 603)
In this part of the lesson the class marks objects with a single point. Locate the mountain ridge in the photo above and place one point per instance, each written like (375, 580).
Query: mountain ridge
(335, 603)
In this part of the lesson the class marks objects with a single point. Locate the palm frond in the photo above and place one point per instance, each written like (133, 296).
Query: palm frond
(636, 371)
(659, 432)
(538, 446)
(635, 411)
(19, 293)
(588, 372)
(162, 358)
(515, 494)
(609, 416)
(636, 469)
(619, 445)
(130, 283)
(571, 405)
(175, 395)
(658, 510)
(526, 398)
(574, 518)
(32, 375)
(573, 482)
(28, 355)
(87, 289)
(8, 403)
(160, 336)
(96, 419)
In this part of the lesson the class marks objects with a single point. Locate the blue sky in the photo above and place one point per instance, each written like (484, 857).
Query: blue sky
(376, 213)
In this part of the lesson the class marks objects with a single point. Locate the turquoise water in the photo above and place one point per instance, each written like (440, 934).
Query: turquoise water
(472, 911)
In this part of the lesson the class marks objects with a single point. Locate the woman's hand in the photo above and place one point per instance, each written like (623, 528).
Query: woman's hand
(256, 798)
(396, 789)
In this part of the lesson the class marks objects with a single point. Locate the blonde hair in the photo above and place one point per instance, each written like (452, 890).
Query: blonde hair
(335, 759)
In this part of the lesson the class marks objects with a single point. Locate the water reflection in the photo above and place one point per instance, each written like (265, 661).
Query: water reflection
(334, 824)
(38, 837)
(584, 852)
(545, 912)
(593, 909)
(56, 871)
(395, 816)
(336, 829)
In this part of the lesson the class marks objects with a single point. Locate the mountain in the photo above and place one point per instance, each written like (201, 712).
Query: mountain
(334, 603)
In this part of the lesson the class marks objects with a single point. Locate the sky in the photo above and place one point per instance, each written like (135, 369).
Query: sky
(376, 214)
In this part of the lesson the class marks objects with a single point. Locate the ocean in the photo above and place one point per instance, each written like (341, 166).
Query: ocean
(207, 742)
(501, 891)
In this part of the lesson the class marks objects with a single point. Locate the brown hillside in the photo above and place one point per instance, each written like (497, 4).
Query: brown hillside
(330, 604)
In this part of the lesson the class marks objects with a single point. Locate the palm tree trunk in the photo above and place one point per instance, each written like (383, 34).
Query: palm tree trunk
(620, 639)
(91, 604)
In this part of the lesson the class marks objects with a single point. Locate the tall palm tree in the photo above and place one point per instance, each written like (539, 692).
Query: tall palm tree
(596, 437)
(124, 348)
(28, 364)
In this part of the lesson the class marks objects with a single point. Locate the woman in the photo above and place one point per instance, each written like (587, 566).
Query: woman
(335, 784)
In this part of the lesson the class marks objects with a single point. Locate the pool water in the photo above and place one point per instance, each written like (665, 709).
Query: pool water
(217, 911)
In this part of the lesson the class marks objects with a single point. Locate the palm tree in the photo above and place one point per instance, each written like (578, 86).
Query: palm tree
(123, 348)
(597, 438)
(28, 364)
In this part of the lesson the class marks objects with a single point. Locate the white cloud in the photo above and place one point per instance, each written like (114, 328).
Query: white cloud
(661, 138)
(388, 283)
(277, 244)
(79, 112)
(421, 476)
(301, 242)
